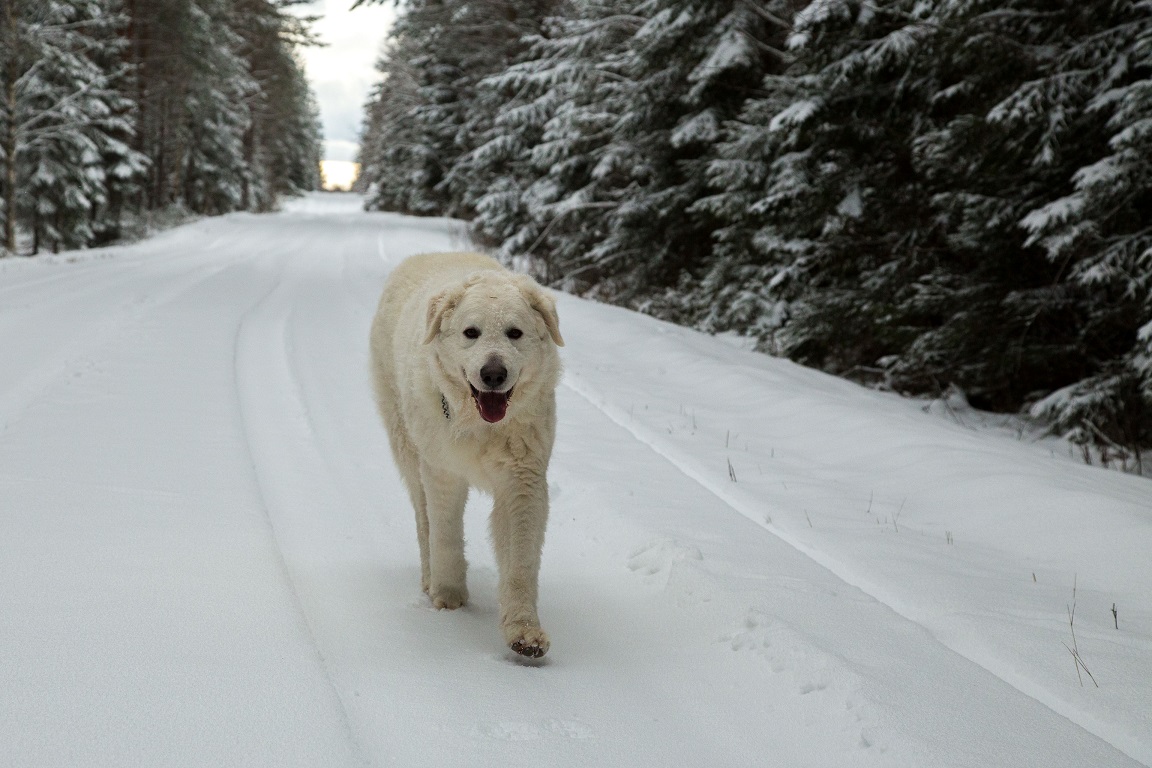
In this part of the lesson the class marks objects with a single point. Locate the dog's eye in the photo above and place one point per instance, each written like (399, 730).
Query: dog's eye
(515, 333)
(472, 333)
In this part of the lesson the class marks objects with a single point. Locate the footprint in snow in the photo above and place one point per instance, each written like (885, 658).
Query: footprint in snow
(659, 555)
(753, 636)
(544, 729)
(810, 673)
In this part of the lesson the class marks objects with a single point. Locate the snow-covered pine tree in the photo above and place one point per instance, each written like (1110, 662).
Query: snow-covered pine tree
(124, 168)
(63, 119)
(529, 93)
(1011, 131)
(282, 143)
(755, 180)
(826, 224)
(617, 106)
(194, 92)
(215, 111)
(877, 189)
(293, 132)
(428, 111)
(393, 160)
(1005, 325)
(1099, 233)
(58, 163)
(224, 111)
(541, 205)
(204, 96)
(726, 51)
(500, 165)
(687, 70)
(426, 114)
(409, 138)
(497, 33)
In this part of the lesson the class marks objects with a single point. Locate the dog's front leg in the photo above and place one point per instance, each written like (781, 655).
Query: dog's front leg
(445, 496)
(519, 516)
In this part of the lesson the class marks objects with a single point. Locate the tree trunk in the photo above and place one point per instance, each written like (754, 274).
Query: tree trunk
(246, 183)
(135, 54)
(10, 163)
(8, 40)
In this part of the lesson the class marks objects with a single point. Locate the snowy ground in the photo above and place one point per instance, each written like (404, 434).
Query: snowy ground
(206, 557)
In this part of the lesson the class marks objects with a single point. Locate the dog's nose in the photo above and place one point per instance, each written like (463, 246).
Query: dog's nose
(493, 374)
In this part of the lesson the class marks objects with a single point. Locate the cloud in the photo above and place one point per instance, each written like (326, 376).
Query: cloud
(340, 150)
(343, 72)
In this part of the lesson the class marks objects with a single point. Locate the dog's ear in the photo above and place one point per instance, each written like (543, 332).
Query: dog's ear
(544, 305)
(439, 306)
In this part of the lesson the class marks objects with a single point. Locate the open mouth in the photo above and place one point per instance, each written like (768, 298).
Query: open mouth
(493, 406)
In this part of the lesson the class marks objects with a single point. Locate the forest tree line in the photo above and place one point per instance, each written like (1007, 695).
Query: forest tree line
(110, 109)
(927, 195)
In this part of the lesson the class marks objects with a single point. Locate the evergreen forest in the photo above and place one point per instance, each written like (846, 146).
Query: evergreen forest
(928, 196)
(113, 110)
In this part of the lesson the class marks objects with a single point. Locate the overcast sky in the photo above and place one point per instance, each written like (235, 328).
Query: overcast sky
(342, 72)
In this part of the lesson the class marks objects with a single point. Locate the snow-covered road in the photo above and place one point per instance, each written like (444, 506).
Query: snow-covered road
(207, 558)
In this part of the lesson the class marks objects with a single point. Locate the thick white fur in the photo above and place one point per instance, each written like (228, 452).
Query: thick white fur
(421, 354)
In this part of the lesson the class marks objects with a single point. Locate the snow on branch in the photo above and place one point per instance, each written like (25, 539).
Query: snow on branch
(734, 50)
(795, 114)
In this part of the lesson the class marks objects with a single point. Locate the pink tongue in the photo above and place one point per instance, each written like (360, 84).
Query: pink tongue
(493, 405)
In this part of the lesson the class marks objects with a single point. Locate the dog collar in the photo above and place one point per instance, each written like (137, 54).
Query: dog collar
(444, 407)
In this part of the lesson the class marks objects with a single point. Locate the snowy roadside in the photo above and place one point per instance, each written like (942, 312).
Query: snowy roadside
(976, 536)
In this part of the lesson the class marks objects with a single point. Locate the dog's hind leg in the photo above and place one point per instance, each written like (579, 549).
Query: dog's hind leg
(420, 505)
(404, 452)
(408, 462)
(446, 495)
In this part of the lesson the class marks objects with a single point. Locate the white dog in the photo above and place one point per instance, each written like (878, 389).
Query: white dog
(465, 366)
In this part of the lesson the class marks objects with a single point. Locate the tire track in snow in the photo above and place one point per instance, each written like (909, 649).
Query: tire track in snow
(1104, 731)
(267, 395)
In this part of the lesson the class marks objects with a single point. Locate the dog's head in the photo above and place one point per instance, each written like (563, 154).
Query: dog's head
(498, 333)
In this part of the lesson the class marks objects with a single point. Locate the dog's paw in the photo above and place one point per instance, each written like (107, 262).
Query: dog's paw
(448, 598)
(528, 641)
